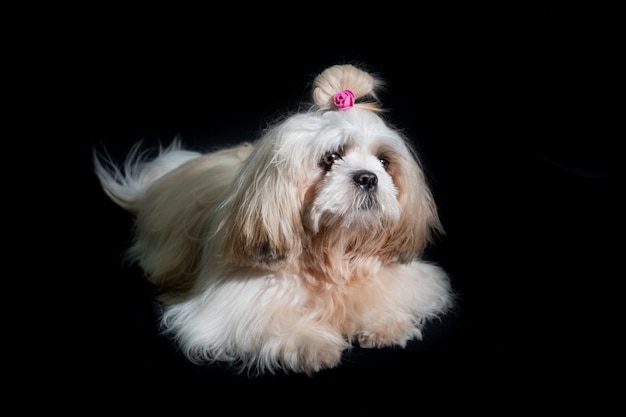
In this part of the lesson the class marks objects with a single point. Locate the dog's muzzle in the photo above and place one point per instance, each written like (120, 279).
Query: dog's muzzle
(367, 182)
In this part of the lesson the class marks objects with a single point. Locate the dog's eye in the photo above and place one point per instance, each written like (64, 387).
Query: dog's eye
(384, 162)
(329, 159)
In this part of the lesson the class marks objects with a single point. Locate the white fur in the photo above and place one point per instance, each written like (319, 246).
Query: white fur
(268, 260)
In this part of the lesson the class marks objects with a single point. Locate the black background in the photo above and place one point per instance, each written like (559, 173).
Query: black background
(512, 110)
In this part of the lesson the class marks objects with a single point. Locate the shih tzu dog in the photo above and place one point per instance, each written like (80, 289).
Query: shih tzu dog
(282, 253)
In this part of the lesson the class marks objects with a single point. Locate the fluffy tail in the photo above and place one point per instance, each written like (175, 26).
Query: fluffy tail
(126, 185)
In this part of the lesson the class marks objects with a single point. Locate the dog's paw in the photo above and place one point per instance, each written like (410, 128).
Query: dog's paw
(306, 354)
(395, 334)
(311, 362)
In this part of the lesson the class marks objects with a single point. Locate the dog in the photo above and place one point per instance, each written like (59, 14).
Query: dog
(281, 253)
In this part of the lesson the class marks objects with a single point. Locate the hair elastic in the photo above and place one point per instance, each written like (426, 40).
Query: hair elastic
(344, 100)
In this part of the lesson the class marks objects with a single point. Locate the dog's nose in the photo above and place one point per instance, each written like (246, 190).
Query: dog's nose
(367, 180)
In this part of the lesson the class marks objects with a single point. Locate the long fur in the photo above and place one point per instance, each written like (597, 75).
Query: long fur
(275, 254)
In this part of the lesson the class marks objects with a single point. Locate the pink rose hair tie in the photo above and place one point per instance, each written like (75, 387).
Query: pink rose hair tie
(344, 99)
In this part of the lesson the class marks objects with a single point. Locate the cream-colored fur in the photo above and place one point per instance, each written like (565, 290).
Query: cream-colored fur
(281, 253)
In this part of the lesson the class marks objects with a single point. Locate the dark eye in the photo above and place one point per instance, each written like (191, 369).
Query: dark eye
(384, 162)
(329, 159)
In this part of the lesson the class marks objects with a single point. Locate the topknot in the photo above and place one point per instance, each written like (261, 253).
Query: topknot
(339, 78)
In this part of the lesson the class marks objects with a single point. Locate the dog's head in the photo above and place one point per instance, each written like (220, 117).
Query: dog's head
(332, 182)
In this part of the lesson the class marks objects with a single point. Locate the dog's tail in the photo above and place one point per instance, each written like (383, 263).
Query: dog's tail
(126, 185)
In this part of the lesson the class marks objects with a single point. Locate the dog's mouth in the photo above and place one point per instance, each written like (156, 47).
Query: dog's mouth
(367, 201)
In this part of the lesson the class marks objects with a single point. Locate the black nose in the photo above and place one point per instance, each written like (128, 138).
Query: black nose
(367, 180)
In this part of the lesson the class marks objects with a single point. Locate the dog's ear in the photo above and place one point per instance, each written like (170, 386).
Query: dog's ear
(419, 222)
(262, 218)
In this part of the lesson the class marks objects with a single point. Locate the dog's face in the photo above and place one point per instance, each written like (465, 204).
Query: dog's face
(356, 180)
(333, 182)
